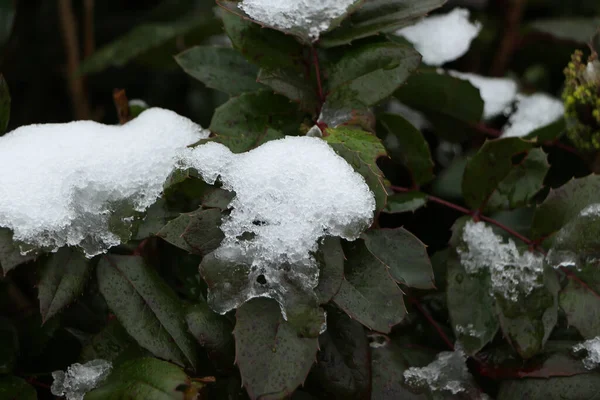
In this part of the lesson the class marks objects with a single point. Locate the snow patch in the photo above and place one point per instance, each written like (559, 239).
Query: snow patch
(444, 37)
(80, 379)
(592, 346)
(61, 182)
(533, 112)
(468, 330)
(512, 273)
(311, 17)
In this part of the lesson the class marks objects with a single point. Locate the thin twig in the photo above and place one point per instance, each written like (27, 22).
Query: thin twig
(510, 40)
(89, 44)
(122, 106)
(315, 59)
(433, 323)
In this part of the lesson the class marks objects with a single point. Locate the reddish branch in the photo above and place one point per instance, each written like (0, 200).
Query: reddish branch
(315, 60)
(435, 325)
(512, 22)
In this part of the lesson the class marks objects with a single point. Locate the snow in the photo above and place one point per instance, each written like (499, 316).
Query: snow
(512, 273)
(61, 182)
(80, 379)
(533, 112)
(444, 37)
(593, 210)
(468, 330)
(311, 17)
(497, 93)
(592, 346)
(288, 194)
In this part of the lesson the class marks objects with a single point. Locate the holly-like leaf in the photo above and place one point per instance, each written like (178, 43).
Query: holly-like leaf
(361, 150)
(10, 254)
(451, 104)
(582, 387)
(376, 16)
(272, 359)
(63, 279)
(291, 84)
(368, 74)
(490, 167)
(549, 132)
(247, 121)
(113, 344)
(4, 105)
(145, 378)
(406, 145)
(581, 305)
(197, 232)
(369, 294)
(12, 387)
(331, 272)
(575, 29)
(220, 68)
(405, 202)
(146, 307)
(217, 198)
(404, 254)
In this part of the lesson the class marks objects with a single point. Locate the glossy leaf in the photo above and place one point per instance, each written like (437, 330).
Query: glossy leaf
(113, 344)
(146, 307)
(10, 254)
(369, 294)
(272, 359)
(220, 68)
(197, 232)
(4, 105)
(582, 308)
(549, 132)
(404, 255)
(9, 351)
(405, 202)
(576, 29)
(291, 84)
(12, 387)
(62, 280)
(331, 272)
(582, 387)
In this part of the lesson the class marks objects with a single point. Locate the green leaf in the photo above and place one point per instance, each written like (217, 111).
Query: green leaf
(220, 68)
(582, 308)
(368, 293)
(4, 105)
(405, 202)
(564, 204)
(377, 16)
(10, 254)
(7, 17)
(343, 367)
(183, 186)
(331, 272)
(197, 232)
(576, 29)
(247, 121)
(217, 198)
(272, 359)
(12, 387)
(113, 344)
(522, 183)
(9, 351)
(451, 104)
(406, 145)
(549, 132)
(144, 38)
(489, 167)
(584, 386)
(368, 74)
(144, 379)
(404, 255)
(146, 307)
(157, 216)
(361, 150)
(213, 332)
(63, 279)
(291, 84)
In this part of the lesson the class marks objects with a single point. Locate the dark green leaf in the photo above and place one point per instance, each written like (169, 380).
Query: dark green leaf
(113, 344)
(157, 216)
(292, 85)
(361, 150)
(576, 29)
(406, 144)
(579, 387)
(582, 307)
(377, 16)
(405, 202)
(14, 388)
(369, 294)
(63, 279)
(144, 379)
(220, 68)
(217, 198)
(272, 359)
(197, 232)
(451, 104)
(9, 350)
(4, 105)
(10, 254)
(331, 273)
(549, 132)
(404, 255)
(489, 167)
(183, 185)
(146, 307)
(7, 16)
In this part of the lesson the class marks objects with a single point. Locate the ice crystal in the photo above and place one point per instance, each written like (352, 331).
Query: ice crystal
(592, 346)
(80, 379)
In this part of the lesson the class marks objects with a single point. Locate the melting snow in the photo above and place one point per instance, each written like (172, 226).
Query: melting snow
(468, 330)
(60, 182)
(592, 346)
(512, 273)
(497, 93)
(289, 193)
(311, 17)
(533, 112)
(444, 37)
(80, 379)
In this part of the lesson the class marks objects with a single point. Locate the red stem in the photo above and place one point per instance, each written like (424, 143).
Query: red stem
(572, 275)
(506, 229)
(429, 318)
(315, 58)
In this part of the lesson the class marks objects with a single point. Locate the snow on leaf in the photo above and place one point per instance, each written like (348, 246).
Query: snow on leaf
(61, 182)
(513, 273)
(80, 379)
(533, 112)
(442, 38)
(288, 194)
(592, 346)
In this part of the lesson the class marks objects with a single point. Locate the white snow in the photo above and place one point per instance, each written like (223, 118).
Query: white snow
(592, 346)
(444, 37)
(512, 273)
(533, 112)
(468, 330)
(80, 379)
(593, 210)
(497, 93)
(311, 17)
(288, 194)
(60, 182)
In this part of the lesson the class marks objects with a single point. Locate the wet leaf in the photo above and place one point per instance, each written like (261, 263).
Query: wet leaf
(331, 272)
(405, 202)
(197, 232)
